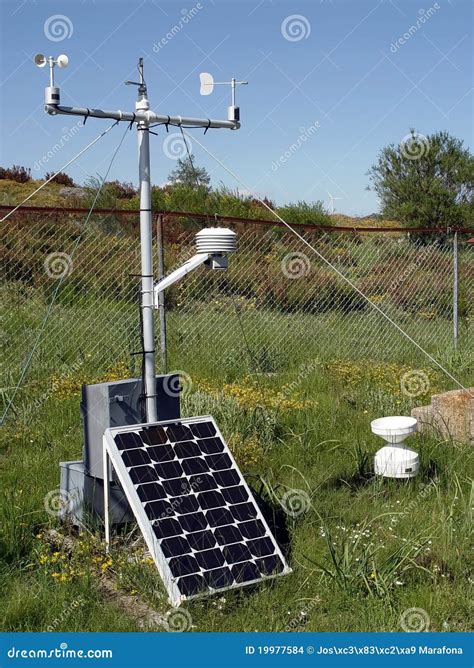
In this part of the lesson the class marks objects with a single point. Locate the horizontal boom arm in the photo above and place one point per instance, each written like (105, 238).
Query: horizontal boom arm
(147, 116)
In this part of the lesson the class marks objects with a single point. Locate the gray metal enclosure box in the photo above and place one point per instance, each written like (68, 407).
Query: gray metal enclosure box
(83, 497)
(117, 404)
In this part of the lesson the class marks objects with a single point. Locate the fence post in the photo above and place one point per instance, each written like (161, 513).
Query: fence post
(161, 296)
(455, 290)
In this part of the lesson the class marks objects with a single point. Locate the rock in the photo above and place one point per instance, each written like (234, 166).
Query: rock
(451, 414)
(68, 191)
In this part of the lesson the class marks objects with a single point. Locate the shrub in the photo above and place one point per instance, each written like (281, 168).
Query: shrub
(308, 213)
(16, 173)
(61, 178)
(121, 189)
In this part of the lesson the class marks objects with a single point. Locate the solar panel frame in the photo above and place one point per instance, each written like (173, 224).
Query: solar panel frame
(113, 457)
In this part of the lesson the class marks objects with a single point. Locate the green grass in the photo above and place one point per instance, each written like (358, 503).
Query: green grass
(364, 551)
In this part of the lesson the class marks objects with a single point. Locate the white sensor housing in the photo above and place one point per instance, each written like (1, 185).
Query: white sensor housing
(395, 460)
(212, 245)
(216, 240)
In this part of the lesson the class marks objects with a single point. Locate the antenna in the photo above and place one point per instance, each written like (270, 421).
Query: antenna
(141, 84)
(207, 86)
(332, 199)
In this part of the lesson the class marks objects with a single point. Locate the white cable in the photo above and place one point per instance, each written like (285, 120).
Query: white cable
(56, 173)
(347, 280)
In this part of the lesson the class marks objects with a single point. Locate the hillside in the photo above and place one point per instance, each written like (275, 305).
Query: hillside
(55, 195)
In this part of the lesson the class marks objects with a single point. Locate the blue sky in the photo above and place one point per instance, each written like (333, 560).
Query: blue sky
(332, 78)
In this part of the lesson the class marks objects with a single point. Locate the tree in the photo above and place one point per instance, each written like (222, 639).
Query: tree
(186, 173)
(426, 181)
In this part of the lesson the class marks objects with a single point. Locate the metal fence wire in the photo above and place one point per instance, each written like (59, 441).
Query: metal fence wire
(71, 294)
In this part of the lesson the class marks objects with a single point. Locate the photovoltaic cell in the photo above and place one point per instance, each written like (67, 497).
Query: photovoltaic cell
(207, 531)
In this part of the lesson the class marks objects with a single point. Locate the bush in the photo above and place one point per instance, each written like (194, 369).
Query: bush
(122, 190)
(61, 178)
(308, 213)
(224, 201)
(16, 173)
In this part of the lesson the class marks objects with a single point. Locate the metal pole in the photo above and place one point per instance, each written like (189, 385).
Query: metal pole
(161, 296)
(149, 390)
(455, 290)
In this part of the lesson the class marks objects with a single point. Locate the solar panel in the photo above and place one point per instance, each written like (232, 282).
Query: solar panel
(196, 512)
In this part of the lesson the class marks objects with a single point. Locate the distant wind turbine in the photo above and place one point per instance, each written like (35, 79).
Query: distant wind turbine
(332, 199)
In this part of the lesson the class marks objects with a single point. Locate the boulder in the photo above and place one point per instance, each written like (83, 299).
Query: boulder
(450, 415)
(69, 191)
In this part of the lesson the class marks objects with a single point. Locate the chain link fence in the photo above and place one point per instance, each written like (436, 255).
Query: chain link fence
(70, 298)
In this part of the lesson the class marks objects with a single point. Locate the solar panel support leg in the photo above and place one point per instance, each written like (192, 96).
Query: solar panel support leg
(106, 461)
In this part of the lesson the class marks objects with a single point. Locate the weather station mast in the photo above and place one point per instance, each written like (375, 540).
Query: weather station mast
(143, 118)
